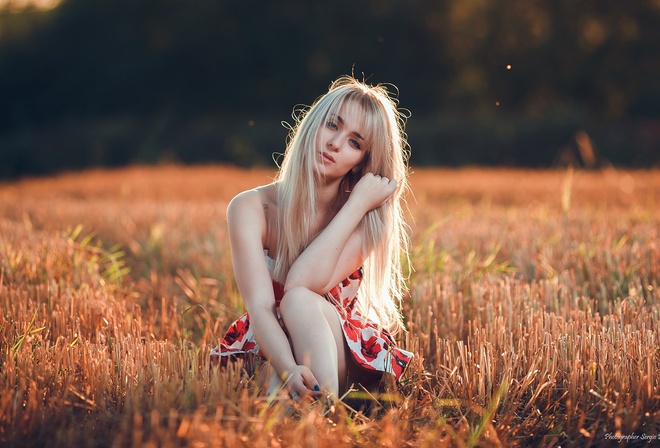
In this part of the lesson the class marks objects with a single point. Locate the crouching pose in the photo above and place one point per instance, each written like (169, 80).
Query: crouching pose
(317, 253)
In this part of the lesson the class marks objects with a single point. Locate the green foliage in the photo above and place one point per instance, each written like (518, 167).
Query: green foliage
(109, 262)
(28, 332)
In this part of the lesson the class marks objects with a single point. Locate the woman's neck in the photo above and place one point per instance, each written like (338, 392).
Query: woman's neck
(327, 204)
(326, 197)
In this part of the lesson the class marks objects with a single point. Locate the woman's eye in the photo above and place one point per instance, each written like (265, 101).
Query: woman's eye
(355, 144)
(331, 124)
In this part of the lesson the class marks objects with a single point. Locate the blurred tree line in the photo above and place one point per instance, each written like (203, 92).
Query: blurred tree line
(508, 82)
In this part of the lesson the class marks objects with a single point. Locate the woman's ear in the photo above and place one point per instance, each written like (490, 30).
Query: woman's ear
(351, 178)
(359, 167)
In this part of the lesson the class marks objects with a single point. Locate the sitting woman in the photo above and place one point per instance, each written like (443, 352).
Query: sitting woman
(317, 253)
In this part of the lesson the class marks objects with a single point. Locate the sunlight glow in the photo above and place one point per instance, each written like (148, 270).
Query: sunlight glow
(20, 5)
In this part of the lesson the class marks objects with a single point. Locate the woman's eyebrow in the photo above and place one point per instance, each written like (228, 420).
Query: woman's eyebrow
(341, 121)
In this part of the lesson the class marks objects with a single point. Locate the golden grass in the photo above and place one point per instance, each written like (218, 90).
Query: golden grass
(533, 308)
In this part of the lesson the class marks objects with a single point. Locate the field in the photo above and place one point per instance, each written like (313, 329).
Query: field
(533, 310)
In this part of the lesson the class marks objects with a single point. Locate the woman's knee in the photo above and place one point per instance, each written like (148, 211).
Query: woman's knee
(297, 300)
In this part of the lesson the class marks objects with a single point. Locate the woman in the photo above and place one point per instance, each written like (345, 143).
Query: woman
(330, 225)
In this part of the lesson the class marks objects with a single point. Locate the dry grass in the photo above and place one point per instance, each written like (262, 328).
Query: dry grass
(534, 311)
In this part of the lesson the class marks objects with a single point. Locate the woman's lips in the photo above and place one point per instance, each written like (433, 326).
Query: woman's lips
(328, 157)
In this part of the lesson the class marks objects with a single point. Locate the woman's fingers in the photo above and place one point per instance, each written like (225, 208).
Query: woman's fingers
(311, 382)
(382, 181)
(296, 389)
(373, 190)
(302, 383)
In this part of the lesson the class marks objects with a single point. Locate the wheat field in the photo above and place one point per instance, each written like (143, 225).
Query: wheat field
(533, 311)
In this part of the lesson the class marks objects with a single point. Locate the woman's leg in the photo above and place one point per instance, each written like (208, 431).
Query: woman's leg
(268, 379)
(316, 336)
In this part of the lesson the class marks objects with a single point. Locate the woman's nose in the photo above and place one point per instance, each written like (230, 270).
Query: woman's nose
(333, 145)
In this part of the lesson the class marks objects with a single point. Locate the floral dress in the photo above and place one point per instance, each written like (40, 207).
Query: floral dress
(371, 347)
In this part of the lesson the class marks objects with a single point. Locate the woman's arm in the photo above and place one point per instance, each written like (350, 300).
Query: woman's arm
(246, 224)
(336, 252)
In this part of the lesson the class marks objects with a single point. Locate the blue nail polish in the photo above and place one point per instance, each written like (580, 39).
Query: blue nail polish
(317, 388)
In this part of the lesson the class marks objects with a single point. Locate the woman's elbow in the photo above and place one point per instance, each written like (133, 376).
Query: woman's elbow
(292, 284)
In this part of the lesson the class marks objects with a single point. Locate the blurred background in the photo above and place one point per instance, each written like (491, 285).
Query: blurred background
(528, 83)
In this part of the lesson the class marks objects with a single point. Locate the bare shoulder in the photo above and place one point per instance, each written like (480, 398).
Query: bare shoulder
(244, 202)
(254, 198)
(268, 193)
(245, 212)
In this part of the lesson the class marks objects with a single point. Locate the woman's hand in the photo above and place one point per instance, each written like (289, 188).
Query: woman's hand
(372, 191)
(301, 382)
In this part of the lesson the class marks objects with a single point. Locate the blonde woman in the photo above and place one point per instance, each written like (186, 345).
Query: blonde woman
(317, 253)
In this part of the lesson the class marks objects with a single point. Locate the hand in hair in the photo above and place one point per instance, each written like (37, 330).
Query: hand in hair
(372, 191)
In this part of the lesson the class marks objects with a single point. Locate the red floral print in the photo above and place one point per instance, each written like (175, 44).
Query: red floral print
(278, 289)
(236, 331)
(351, 332)
(372, 348)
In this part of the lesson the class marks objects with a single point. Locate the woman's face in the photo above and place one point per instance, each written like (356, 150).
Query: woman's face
(340, 144)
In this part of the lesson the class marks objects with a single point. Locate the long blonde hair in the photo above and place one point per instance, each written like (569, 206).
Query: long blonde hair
(383, 230)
